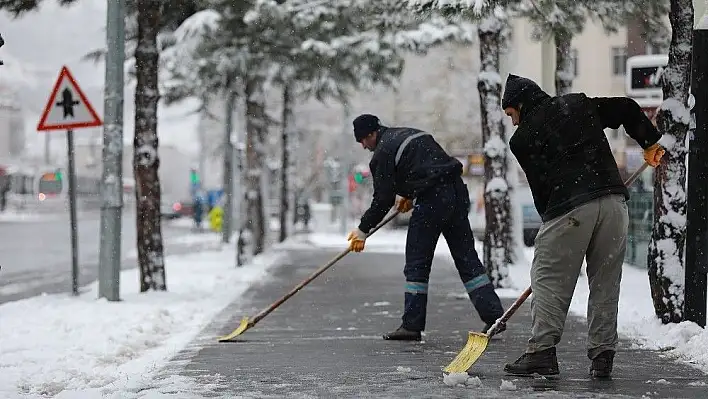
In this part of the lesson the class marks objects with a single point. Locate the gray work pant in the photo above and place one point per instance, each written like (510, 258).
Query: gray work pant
(597, 231)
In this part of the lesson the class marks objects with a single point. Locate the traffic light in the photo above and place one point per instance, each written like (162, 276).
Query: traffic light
(193, 176)
(57, 175)
(358, 177)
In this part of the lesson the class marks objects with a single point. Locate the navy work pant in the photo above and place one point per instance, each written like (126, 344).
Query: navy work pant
(443, 210)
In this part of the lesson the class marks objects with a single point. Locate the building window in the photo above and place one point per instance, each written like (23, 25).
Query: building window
(574, 61)
(619, 61)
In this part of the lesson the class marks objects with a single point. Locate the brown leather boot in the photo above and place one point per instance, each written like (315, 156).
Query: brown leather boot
(401, 334)
(544, 363)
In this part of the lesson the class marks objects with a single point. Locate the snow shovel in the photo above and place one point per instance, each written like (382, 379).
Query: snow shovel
(477, 342)
(247, 323)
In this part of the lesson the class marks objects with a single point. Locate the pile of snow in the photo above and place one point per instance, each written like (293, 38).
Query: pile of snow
(56, 344)
(461, 380)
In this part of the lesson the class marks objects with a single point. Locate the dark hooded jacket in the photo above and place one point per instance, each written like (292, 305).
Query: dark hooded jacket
(561, 145)
(406, 162)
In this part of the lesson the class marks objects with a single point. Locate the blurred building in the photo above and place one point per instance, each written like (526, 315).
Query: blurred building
(12, 125)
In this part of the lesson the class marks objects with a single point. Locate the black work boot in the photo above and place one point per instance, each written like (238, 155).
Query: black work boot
(544, 363)
(502, 328)
(401, 334)
(602, 364)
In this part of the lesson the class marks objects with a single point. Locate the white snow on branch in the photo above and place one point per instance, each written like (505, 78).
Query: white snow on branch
(679, 112)
(475, 5)
(494, 147)
(201, 23)
(497, 185)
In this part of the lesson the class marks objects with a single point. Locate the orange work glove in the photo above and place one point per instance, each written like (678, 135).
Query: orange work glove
(404, 205)
(356, 239)
(653, 154)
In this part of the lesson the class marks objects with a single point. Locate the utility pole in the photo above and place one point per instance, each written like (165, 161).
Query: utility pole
(345, 170)
(112, 179)
(226, 228)
(697, 193)
(47, 149)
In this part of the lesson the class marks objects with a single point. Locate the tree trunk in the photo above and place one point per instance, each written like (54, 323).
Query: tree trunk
(498, 239)
(285, 168)
(564, 62)
(666, 248)
(145, 158)
(255, 133)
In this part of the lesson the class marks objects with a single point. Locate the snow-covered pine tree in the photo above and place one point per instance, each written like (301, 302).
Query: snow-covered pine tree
(152, 17)
(564, 19)
(668, 239)
(500, 248)
(332, 49)
(560, 20)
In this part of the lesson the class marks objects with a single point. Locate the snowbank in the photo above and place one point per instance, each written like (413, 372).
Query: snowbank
(56, 344)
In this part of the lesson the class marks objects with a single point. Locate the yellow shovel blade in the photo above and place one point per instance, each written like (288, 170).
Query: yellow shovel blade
(476, 344)
(238, 331)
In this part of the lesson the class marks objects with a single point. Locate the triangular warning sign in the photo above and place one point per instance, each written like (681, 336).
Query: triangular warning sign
(68, 107)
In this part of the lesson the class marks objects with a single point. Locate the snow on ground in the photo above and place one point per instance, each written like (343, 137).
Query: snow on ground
(685, 341)
(90, 348)
(17, 216)
(64, 347)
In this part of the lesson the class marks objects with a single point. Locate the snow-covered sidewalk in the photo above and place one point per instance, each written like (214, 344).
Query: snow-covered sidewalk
(84, 347)
(64, 347)
(685, 341)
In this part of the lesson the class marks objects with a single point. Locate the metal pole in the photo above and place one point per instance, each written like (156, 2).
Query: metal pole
(47, 149)
(112, 177)
(697, 193)
(72, 214)
(228, 169)
(345, 170)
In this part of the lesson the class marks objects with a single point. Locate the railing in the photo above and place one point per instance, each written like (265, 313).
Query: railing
(641, 216)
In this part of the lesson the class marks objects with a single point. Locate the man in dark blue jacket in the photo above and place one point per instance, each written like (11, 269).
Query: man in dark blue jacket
(410, 163)
(577, 189)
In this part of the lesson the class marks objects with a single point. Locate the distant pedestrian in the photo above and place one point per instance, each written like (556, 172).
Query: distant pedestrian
(410, 163)
(577, 189)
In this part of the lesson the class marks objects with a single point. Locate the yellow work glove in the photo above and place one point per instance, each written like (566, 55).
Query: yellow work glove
(356, 239)
(653, 154)
(404, 205)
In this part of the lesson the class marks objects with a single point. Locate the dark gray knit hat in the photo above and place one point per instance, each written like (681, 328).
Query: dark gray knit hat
(364, 125)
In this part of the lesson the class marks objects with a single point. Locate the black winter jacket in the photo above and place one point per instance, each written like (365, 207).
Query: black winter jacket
(422, 164)
(561, 146)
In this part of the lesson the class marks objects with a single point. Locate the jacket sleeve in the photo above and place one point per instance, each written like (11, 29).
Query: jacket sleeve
(382, 169)
(616, 111)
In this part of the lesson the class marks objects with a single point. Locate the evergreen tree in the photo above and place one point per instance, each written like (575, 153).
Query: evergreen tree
(316, 49)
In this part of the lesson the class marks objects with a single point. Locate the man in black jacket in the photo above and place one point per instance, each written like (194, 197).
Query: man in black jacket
(410, 163)
(577, 189)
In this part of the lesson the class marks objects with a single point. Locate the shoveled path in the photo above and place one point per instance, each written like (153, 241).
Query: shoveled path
(326, 342)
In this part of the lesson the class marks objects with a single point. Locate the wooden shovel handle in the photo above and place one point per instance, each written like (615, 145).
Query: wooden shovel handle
(316, 273)
(636, 174)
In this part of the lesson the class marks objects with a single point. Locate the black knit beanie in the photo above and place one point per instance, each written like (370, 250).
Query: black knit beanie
(364, 125)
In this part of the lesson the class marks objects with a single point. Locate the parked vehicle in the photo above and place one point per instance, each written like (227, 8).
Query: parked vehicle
(531, 219)
(174, 209)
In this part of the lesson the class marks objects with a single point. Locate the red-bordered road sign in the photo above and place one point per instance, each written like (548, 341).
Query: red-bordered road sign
(67, 107)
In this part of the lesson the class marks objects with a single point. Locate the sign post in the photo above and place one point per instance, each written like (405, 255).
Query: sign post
(69, 109)
(72, 213)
